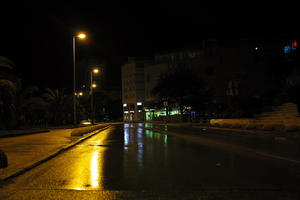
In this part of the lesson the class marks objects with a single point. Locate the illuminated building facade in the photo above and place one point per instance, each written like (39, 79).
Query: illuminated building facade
(133, 88)
(139, 77)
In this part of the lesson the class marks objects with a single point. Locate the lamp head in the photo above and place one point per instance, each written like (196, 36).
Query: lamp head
(96, 71)
(81, 36)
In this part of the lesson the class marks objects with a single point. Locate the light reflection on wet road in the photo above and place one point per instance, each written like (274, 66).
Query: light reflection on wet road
(127, 157)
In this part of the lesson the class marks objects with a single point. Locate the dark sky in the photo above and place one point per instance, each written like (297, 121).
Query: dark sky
(37, 36)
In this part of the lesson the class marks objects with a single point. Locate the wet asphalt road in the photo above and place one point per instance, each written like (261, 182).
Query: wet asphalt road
(128, 162)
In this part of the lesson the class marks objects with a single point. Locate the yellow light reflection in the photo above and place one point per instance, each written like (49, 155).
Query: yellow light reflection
(79, 188)
(95, 169)
(87, 171)
(79, 173)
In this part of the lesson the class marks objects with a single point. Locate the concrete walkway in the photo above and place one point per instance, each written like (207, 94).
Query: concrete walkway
(27, 150)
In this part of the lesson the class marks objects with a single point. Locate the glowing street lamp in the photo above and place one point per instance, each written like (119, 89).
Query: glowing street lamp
(78, 94)
(80, 36)
(96, 71)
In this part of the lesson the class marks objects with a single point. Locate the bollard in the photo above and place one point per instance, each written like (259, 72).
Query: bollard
(3, 160)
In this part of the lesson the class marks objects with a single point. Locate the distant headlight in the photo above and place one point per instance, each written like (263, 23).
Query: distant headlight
(85, 122)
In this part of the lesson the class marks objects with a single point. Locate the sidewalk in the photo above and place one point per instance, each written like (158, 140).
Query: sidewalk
(25, 151)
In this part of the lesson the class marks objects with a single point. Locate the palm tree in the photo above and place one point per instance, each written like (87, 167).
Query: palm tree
(56, 100)
(33, 108)
(9, 87)
(59, 109)
(7, 103)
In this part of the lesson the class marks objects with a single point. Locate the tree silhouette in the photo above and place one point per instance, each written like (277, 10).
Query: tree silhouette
(32, 107)
(8, 92)
(58, 105)
(9, 88)
(182, 86)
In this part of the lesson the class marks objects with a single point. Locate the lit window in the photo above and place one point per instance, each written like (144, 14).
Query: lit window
(287, 49)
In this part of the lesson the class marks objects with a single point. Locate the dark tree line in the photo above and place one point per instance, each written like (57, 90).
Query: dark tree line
(183, 88)
(33, 106)
(273, 81)
(43, 107)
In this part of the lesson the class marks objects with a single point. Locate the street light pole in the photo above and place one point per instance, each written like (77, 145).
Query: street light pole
(80, 36)
(92, 85)
(92, 101)
(74, 84)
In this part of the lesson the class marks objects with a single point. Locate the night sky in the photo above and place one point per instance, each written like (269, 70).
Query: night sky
(38, 36)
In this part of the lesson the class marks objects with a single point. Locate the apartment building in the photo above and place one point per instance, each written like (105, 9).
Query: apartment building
(133, 88)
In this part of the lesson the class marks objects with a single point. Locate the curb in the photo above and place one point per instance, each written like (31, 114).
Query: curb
(270, 135)
(84, 130)
(67, 147)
